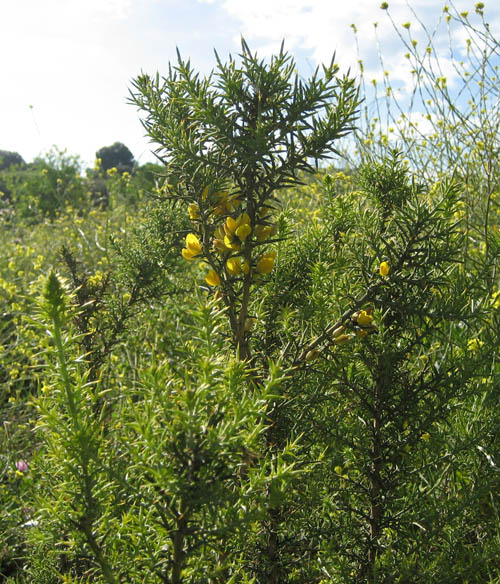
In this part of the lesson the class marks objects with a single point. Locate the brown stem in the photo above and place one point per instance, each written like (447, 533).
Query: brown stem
(178, 547)
(241, 339)
(376, 507)
(274, 573)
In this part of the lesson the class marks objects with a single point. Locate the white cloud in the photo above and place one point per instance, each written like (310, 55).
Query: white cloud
(324, 26)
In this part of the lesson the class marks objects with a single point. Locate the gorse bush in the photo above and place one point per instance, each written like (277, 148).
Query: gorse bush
(264, 373)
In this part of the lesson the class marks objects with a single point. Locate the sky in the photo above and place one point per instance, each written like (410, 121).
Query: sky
(67, 65)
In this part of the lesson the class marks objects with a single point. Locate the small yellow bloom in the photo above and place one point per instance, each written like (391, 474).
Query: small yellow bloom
(230, 226)
(219, 233)
(193, 247)
(262, 232)
(265, 263)
(188, 254)
(243, 219)
(212, 278)
(384, 269)
(193, 243)
(243, 231)
(233, 266)
(219, 246)
(364, 319)
(231, 243)
(245, 267)
(194, 211)
(496, 299)
(236, 227)
(474, 344)
(265, 210)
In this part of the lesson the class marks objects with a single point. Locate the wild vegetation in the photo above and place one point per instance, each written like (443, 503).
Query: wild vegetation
(272, 357)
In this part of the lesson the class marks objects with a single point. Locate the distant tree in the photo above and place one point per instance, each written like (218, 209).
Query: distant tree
(8, 158)
(116, 156)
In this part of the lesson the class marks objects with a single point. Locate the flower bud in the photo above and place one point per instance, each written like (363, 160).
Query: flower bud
(338, 331)
(342, 339)
(312, 354)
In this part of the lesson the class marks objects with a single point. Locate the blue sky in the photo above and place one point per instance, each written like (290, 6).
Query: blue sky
(66, 65)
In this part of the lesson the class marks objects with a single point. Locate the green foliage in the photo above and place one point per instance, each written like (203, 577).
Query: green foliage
(230, 141)
(323, 408)
(44, 187)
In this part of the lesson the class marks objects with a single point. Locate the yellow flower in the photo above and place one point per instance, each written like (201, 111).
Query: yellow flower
(474, 344)
(193, 247)
(220, 246)
(361, 333)
(233, 266)
(496, 299)
(243, 231)
(194, 211)
(243, 219)
(262, 232)
(231, 243)
(364, 319)
(265, 210)
(265, 263)
(212, 278)
(193, 243)
(230, 226)
(219, 233)
(245, 267)
(239, 228)
(384, 269)
(225, 203)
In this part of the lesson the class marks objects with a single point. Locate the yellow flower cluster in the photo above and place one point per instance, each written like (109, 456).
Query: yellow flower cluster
(226, 233)
(362, 321)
